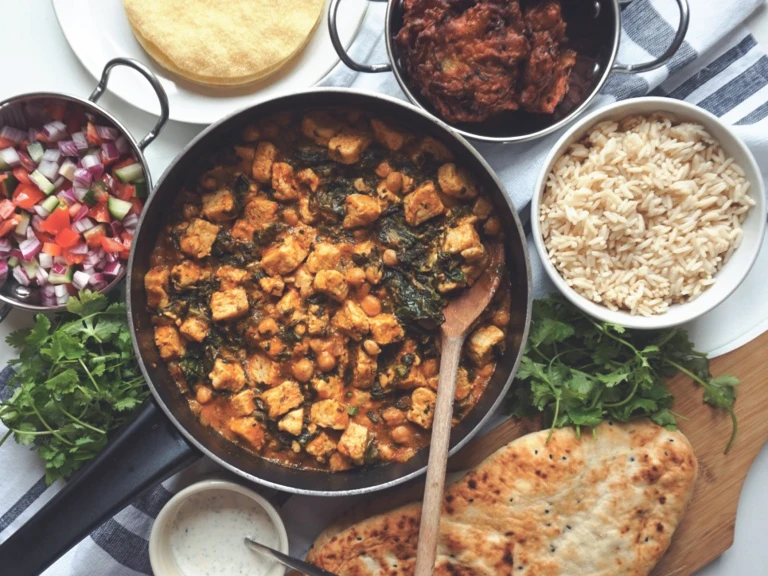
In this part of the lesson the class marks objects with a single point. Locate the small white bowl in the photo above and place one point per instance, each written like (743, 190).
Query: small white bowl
(160, 554)
(732, 273)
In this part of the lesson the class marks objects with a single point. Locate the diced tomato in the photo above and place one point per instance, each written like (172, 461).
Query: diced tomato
(22, 176)
(74, 209)
(56, 109)
(56, 221)
(136, 206)
(73, 258)
(100, 213)
(43, 236)
(124, 191)
(111, 245)
(75, 120)
(92, 136)
(7, 208)
(93, 238)
(66, 237)
(7, 225)
(123, 163)
(51, 249)
(5, 143)
(27, 196)
(41, 138)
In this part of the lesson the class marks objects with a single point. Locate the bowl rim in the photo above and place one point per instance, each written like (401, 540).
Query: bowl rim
(629, 106)
(160, 556)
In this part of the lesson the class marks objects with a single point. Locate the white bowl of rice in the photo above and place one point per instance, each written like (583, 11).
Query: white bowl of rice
(649, 213)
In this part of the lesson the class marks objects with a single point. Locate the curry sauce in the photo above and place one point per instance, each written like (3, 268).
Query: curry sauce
(297, 288)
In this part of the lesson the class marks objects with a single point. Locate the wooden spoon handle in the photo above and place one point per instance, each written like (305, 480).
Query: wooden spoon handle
(438, 456)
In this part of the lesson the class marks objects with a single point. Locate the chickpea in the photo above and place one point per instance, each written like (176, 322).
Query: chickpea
(203, 394)
(389, 257)
(394, 182)
(325, 361)
(371, 348)
(371, 305)
(431, 367)
(355, 276)
(268, 327)
(290, 217)
(401, 434)
(492, 226)
(383, 169)
(303, 370)
(208, 182)
(300, 329)
(250, 134)
(500, 319)
(360, 185)
(373, 274)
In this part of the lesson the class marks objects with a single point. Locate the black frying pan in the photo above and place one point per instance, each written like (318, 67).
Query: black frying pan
(166, 435)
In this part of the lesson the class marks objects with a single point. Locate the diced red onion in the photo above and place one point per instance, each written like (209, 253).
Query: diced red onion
(13, 134)
(3, 270)
(52, 155)
(92, 259)
(32, 135)
(26, 161)
(41, 276)
(60, 290)
(37, 220)
(130, 222)
(68, 148)
(97, 278)
(122, 145)
(93, 164)
(68, 195)
(55, 131)
(67, 169)
(19, 237)
(83, 178)
(49, 301)
(117, 227)
(41, 212)
(46, 260)
(107, 132)
(30, 233)
(109, 152)
(5, 245)
(108, 181)
(113, 269)
(81, 142)
(111, 257)
(48, 291)
(79, 192)
(80, 279)
(58, 268)
(62, 300)
(21, 276)
(81, 248)
(30, 248)
(16, 253)
(60, 260)
(49, 169)
(59, 182)
(10, 156)
(81, 222)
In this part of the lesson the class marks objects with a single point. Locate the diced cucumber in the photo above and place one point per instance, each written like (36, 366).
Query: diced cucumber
(45, 185)
(50, 204)
(96, 231)
(118, 208)
(13, 261)
(8, 184)
(64, 278)
(92, 196)
(142, 190)
(31, 267)
(36, 152)
(130, 173)
(4, 165)
(21, 227)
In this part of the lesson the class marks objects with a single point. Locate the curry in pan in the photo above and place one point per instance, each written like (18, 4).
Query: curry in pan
(297, 288)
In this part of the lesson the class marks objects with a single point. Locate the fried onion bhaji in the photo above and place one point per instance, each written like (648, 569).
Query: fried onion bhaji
(475, 59)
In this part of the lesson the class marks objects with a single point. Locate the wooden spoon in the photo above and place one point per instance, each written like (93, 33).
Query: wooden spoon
(460, 315)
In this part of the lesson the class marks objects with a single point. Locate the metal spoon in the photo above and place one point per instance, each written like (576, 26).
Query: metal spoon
(285, 560)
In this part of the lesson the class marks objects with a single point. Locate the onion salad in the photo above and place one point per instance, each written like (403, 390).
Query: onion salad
(71, 193)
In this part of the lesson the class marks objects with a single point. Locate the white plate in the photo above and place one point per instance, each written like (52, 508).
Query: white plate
(97, 31)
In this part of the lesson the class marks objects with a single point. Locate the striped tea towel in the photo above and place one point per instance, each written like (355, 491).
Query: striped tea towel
(719, 67)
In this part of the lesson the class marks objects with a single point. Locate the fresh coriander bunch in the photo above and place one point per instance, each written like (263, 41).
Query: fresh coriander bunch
(76, 380)
(579, 371)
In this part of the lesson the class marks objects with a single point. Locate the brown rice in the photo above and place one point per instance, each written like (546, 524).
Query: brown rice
(641, 213)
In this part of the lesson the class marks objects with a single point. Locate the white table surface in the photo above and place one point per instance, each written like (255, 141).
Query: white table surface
(48, 64)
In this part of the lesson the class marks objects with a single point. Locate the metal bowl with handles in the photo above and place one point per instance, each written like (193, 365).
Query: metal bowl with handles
(593, 29)
(14, 112)
(166, 435)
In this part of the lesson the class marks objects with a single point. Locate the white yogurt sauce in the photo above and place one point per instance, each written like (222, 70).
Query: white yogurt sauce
(208, 530)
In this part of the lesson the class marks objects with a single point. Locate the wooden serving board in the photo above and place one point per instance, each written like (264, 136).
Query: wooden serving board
(706, 530)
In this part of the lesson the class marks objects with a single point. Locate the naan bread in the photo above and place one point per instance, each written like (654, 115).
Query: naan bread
(223, 43)
(594, 507)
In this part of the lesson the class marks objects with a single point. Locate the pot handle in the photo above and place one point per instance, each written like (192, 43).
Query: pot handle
(151, 78)
(677, 41)
(336, 41)
(140, 456)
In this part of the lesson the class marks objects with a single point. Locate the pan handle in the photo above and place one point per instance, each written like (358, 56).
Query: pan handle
(140, 456)
(677, 41)
(336, 41)
(151, 78)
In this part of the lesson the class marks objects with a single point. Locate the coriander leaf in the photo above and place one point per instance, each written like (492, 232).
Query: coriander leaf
(664, 418)
(39, 333)
(64, 382)
(549, 331)
(613, 378)
(87, 303)
(583, 416)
